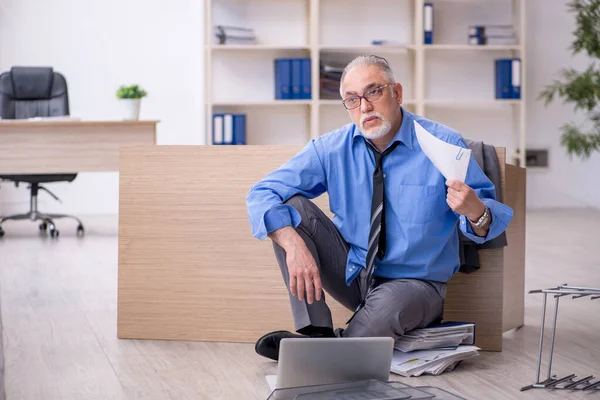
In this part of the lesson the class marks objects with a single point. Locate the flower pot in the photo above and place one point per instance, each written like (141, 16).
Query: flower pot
(130, 109)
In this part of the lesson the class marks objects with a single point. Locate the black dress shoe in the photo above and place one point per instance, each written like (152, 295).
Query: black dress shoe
(268, 345)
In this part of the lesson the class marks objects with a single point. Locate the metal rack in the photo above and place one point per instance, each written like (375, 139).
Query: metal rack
(569, 382)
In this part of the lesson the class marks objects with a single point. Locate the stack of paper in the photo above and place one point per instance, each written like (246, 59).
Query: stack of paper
(447, 334)
(434, 362)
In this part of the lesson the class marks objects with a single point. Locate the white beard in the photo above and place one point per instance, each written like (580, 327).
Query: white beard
(378, 132)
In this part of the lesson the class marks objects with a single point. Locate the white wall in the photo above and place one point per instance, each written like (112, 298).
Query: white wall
(566, 183)
(99, 45)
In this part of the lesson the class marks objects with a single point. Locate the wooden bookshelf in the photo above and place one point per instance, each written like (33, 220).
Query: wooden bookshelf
(448, 81)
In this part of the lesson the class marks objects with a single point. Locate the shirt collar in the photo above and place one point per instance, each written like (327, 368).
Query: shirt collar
(404, 134)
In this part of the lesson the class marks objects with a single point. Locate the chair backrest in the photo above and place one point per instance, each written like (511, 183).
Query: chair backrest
(28, 92)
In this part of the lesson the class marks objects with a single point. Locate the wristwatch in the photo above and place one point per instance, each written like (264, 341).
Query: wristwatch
(483, 220)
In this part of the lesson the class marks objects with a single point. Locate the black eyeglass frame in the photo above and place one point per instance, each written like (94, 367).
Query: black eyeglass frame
(364, 96)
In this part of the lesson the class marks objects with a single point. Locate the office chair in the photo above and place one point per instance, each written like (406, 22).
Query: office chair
(28, 92)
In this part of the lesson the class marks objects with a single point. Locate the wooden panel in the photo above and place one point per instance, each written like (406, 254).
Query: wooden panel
(63, 147)
(477, 297)
(190, 269)
(514, 254)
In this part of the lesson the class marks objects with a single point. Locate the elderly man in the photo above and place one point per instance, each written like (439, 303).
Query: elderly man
(393, 242)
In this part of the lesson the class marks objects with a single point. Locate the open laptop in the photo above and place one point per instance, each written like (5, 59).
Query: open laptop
(317, 361)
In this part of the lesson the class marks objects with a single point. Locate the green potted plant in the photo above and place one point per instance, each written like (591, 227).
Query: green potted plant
(581, 88)
(130, 98)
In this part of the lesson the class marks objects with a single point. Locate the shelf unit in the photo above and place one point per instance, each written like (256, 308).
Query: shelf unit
(239, 78)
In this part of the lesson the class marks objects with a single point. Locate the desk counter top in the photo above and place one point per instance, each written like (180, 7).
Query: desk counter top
(68, 145)
(71, 122)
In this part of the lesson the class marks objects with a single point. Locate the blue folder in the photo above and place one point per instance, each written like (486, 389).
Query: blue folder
(306, 79)
(296, 78)
(516, 78)
(428, 23)
(217, 129)
(239, 129)
(283, 77)
(503, 69)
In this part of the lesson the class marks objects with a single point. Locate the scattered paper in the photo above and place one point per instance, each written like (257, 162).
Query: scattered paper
(434, 362)
(451, 160)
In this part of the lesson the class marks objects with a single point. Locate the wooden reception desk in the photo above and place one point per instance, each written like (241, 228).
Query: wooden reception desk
(190, 269)
(64, 146)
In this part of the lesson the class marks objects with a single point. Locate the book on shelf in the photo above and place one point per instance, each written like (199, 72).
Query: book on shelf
(229, 129)
(234, 35)
(492, 35)
(508, 78)
(392, 43)
(330, 76)
(292, 78)
(428, 23)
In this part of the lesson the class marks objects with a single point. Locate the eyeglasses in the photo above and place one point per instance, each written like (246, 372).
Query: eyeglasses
(370, 95)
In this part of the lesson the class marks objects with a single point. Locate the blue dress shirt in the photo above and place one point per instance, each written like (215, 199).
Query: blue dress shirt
(422, 239)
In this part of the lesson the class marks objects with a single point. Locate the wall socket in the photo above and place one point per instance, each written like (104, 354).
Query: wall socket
(536, 157)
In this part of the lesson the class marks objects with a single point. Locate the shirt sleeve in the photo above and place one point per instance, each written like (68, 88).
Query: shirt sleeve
(302, 175)
(501, 213)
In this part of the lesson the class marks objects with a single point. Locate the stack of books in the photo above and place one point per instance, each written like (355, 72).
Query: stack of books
(434, 349)
(234, 35)
(329, 81)
(492, 35)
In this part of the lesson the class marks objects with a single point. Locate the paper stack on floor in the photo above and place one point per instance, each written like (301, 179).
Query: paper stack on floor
(434, 362)
(447, 334)
(434, 349)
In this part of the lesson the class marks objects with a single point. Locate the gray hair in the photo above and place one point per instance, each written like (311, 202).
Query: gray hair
(366, 61)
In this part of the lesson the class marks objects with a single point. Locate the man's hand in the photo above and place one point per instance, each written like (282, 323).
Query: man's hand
(303, 270)
(304, 274)
(462, 199)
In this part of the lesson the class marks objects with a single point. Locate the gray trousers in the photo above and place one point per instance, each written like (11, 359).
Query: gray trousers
(393, 307)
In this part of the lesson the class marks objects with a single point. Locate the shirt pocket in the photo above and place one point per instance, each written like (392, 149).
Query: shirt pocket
(419, 203)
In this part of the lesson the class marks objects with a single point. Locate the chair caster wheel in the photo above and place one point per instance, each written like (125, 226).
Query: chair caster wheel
(80, 230)
(43, 226)
(54, 232)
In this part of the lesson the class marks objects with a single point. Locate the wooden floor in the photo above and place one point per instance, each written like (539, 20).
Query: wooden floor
(58, 303)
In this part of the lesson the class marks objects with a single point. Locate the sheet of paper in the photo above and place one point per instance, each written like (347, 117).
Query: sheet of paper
(451, 160)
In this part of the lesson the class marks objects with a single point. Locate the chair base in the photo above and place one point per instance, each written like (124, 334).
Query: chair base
(46, 218)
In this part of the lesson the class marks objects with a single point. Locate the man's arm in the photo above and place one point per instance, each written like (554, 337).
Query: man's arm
(303, 174)
(470, 200)
(302, 267)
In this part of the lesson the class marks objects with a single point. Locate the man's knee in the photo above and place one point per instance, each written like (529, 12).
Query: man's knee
(392, 310)
(375, 323)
